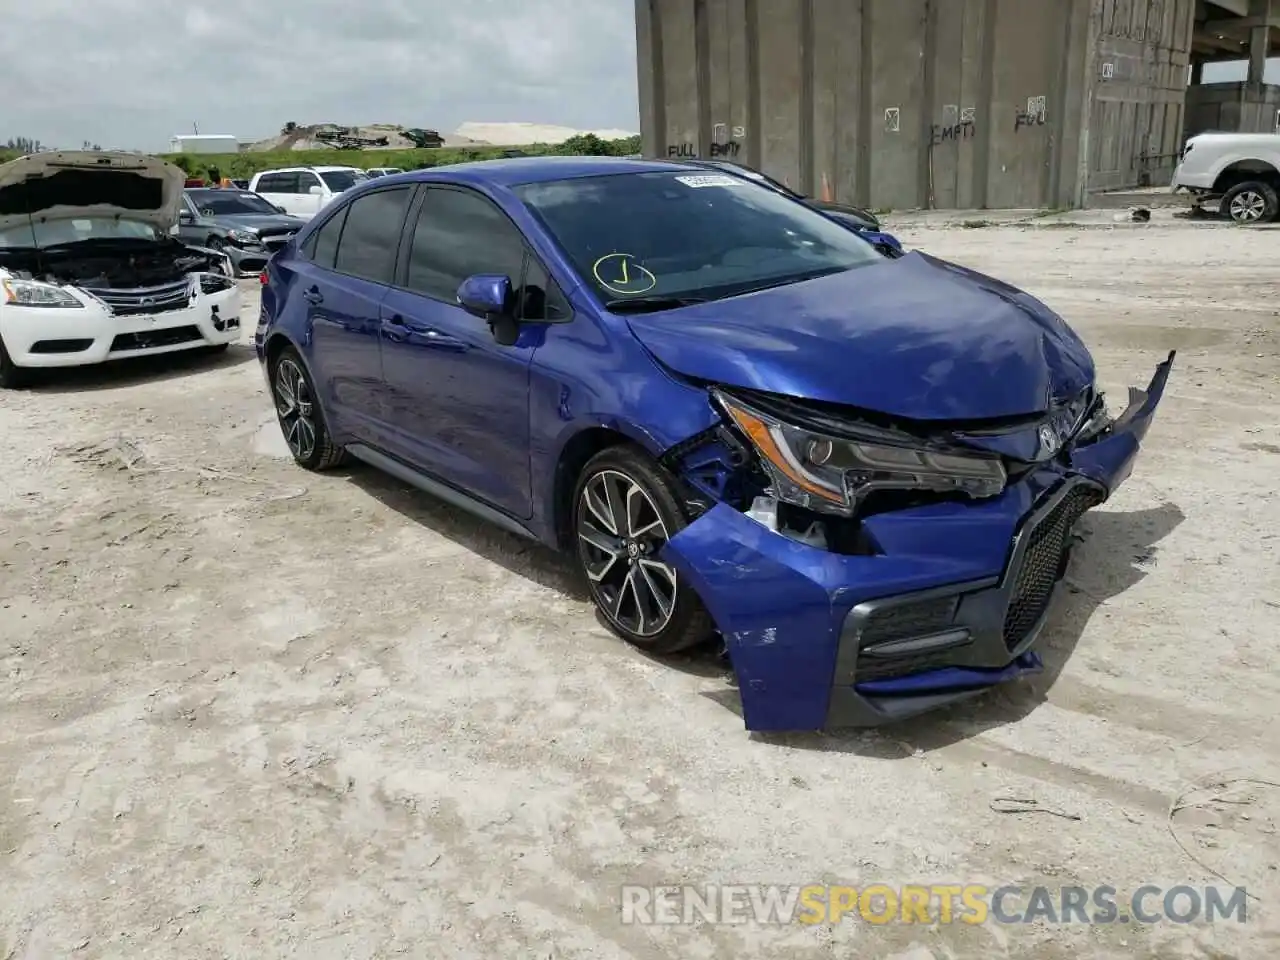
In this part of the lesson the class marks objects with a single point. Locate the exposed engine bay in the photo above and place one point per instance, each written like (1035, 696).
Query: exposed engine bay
(871, 463)
(112, 264)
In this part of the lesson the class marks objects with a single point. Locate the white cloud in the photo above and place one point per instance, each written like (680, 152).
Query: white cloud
(131, 73)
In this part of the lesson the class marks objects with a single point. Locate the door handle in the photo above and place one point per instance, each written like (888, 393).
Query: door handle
(313, 295)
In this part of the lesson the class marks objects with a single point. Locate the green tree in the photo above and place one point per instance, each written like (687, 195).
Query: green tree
(587, 145)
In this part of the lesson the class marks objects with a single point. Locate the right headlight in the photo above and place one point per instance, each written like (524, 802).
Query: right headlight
(832, 474)
(33, 293)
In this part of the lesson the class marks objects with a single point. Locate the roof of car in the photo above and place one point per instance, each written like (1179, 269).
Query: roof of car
(520, 170)
(263, 173)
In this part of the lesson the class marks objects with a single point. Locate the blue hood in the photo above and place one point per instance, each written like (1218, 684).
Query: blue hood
(915, 338)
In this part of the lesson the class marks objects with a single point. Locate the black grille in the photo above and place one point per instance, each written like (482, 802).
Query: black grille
(167, 296)
(878, 668)
(60, 346)
(1044, 563)
(150, 339)
(907, 620)
(899, 622)
(276, 241)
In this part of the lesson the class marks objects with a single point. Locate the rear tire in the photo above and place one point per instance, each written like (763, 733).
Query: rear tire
(1253, 201)
(299, 414)
(12, 377)
(626, 508)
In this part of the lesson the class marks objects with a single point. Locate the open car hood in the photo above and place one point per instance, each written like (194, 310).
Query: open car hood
(914, 338)
(71, 184)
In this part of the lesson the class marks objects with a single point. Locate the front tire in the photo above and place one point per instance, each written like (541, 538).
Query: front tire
(625, 510)
(12, 377)
(298, 412)
(1251, 202)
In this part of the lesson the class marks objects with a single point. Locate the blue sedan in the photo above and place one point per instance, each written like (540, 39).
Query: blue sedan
(738, 417)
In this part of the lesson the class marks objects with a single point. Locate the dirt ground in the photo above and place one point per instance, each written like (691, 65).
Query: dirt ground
(250, 712)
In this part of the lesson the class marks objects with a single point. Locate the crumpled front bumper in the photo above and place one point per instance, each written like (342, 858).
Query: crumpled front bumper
(951, 606)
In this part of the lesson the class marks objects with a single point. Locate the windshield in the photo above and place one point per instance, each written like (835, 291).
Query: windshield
(689, 235)
(229, 203)
(339, 180)
(51, 233)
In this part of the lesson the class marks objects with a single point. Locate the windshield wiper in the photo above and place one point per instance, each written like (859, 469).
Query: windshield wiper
(648, 304)
(788, 281)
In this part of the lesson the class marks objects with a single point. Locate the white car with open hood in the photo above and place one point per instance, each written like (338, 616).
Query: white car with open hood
(90, 270)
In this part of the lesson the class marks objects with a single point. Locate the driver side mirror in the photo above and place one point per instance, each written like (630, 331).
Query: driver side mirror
(186, 216)
(489, 296)
(314, 190)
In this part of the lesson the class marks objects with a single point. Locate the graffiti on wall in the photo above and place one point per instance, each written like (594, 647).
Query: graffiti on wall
(726, 143)
(956, 125)
(1032, 116)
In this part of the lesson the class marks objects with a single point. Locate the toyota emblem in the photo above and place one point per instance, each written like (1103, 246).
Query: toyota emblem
(1048, 442)
(147, 302)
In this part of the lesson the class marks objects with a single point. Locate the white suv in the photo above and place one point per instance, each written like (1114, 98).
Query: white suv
(1240, 172)
(304, 191)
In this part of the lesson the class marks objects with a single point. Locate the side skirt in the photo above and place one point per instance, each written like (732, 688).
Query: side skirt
(427, 484)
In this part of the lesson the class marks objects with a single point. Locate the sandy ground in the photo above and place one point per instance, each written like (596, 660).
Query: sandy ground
(251, 712)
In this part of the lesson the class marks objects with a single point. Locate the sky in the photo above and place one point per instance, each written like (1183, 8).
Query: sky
(1237, 70)
(132, 73)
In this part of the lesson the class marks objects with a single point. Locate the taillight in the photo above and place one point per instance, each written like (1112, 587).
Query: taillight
(262, 278)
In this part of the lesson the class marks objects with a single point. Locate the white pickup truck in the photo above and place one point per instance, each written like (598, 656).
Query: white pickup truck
(1240, 172)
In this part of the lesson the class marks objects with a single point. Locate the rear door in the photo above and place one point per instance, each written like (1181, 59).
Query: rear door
(280, 189)
(350, 261)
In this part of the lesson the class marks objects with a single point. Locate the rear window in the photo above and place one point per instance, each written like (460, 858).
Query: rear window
(339, 180)
(371, 236)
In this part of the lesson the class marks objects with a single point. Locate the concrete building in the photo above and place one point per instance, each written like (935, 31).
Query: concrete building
(934, 103)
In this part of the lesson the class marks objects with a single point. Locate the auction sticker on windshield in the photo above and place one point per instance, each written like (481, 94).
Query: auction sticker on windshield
(711, 180)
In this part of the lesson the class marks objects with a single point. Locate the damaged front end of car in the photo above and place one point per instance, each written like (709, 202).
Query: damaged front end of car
(863, 570)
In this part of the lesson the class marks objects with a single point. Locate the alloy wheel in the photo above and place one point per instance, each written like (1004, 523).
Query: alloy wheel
(620, 534)
(1248, 206)
(295, 408)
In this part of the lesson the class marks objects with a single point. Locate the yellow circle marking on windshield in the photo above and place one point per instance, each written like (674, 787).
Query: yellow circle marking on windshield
(619, 273)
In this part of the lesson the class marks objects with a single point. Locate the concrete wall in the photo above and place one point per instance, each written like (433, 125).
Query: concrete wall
(1233, 107)
(902, 103)
(1136, 113)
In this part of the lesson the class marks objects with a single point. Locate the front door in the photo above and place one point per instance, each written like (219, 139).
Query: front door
(308, 204)
(458, 401)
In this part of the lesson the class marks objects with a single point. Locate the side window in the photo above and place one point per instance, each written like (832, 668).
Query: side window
(372, 235)
(267, 183)
(322, 246)
(541, 299)
(460, 233)
(306, 180)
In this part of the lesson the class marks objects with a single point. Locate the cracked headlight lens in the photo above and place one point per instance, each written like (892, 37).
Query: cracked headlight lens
(32, 293)
(833, 474)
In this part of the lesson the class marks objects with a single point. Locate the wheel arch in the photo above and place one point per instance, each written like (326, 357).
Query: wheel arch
(579, 447)
(1242, 170)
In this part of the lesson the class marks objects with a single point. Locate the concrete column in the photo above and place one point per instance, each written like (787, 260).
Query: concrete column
(1259, 41)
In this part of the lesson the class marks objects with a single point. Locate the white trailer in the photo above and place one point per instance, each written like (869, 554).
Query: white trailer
(203, 143)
